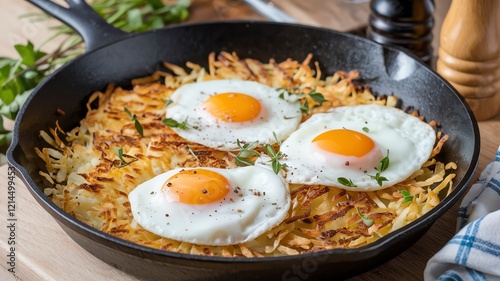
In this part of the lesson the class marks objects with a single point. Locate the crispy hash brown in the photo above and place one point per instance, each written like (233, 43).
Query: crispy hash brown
(91, 182)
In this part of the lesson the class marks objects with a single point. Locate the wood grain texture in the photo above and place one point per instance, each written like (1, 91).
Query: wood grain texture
(469, 54)
(45, 252)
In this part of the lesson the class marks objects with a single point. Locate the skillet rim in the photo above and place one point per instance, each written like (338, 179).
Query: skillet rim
(368, 251)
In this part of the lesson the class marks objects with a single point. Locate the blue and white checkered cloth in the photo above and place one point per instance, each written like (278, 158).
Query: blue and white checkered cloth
(474, 252)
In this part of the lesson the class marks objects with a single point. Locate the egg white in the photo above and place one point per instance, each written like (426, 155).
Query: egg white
(409, 141)
(277, 116)
(257, 200)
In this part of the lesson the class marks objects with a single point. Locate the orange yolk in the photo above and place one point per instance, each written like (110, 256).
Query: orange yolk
(232, 107)
(344, 142)
(197, 186)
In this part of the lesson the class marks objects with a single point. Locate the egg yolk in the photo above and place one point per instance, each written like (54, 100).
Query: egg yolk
(344, 142)
(232, 107)
(197, 186)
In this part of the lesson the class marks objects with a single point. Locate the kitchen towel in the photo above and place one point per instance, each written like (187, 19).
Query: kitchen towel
(474, 252)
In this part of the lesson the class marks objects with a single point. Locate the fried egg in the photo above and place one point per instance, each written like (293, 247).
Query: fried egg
(346, 146)
(220, 112)
(211, 206)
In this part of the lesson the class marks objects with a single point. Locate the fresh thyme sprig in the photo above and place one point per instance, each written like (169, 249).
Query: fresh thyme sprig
(346, 182)
(172, 123)
(317, 97)
(295, 95)
(382, 166)
(123, 162)
(367, 221)
(290, 95)
(380, 179)
(247, 154)
(137, 125)
(407, 197)
(384, 163)
(304, 108)
(276, 156)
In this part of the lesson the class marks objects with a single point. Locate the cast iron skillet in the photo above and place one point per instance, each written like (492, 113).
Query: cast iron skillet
(114, 56)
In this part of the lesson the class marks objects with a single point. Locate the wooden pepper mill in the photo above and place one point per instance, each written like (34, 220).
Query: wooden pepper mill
(406, 23)
(469, 53)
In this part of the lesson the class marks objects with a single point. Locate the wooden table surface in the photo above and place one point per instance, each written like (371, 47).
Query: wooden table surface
(45, 252)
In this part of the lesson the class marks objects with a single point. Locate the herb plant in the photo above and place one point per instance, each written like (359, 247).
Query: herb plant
(19, 75)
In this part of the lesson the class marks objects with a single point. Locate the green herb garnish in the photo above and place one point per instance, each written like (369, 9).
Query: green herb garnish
(172, 123)
(384, 163)
(246, 155)
(380, 179)
(346, 182)
(290, 95)
(317, 97)
(123, 162)
(133, 117)
(276, 156)
(304, 108)
(407, 197)
(284, 93)
(366, 129)
(382, 166)
(367, 221)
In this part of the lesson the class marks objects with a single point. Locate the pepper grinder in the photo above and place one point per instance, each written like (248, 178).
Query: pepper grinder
(469, 53)
(406, 23)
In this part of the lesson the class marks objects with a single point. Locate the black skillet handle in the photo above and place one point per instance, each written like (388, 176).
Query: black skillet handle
(96, 32)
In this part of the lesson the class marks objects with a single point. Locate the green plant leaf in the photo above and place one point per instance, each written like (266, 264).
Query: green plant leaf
(407, 197)
(21, 74)
(317, 97)
(31, 74)
(6, 61)
(4, 73)
(346, 182)
(384, 163)
(2, 129)
(138, 127)
(3, 139)
(155, 3)
(7, 96)
(367, 221)
(28, 53)
(155, 23)
(170, 122)
(276, 166)
(270, 151)
(134, 18)
(304, 108)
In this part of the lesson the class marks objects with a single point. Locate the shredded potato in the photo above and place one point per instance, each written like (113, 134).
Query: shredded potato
(88, 182)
